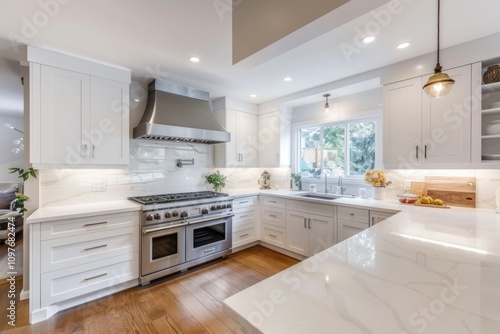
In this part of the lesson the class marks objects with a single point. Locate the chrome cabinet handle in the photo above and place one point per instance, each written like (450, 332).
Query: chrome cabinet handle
(309, 223)
(272, 235)
(305, 219)
(243, 235)
(425, 151)
(84, 150)
(90, 248)
(93, 149)
(272, 216)
(243, 202)
(416, 151)
(93, 224)
(93, 277)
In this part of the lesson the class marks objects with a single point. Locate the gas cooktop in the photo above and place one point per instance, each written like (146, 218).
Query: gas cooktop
(176, 197)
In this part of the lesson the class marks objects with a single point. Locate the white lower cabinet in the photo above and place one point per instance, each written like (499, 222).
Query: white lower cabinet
(377, 216)
(351, 221)
(76, 260)
(273, 220)
(310, 227)
(245, 221)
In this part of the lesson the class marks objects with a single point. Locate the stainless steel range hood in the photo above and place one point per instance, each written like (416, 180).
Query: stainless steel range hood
(179, 113)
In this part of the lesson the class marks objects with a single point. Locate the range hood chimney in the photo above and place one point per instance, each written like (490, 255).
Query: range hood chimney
(181, 114)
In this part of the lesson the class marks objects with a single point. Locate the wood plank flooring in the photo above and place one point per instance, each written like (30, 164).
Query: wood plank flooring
(188, 303)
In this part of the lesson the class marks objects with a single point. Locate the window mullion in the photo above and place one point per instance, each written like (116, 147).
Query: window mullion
(347, 159)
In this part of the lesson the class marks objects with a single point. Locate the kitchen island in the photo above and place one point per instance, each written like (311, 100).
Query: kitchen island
(420, 271)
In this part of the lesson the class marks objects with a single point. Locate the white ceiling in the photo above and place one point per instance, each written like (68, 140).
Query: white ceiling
(154, 38)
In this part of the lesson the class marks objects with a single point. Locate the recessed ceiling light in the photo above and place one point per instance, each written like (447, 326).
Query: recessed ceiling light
(403, 45)
(368, 39)
(194, 59)
(253, 95)
(287, 78)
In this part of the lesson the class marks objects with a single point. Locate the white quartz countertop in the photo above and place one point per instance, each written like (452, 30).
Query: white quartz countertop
(424, 270)
(53, 213)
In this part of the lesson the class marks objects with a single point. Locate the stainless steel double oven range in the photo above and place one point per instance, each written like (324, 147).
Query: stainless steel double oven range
(183, 230)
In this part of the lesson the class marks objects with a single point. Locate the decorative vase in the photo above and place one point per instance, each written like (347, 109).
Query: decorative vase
(378, 193)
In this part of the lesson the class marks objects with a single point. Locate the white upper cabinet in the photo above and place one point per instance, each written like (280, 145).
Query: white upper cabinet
(78, 117)
(274, 139)
(420, 131)
(240, 119)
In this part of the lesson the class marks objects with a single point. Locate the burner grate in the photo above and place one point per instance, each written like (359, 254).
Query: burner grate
(176, 197)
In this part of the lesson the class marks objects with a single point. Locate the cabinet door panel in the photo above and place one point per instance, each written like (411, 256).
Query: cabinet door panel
(109, 131)
(321, 233)
(402, 123)
(446, 121)
(297, 232)
(347, 229)
(65, 111)
(246, 132)
(268, 139)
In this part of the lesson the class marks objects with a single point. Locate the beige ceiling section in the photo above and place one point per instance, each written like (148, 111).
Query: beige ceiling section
(260, 23)
(264, 29)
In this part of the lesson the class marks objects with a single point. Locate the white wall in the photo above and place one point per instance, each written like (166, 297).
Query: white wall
(7, 157)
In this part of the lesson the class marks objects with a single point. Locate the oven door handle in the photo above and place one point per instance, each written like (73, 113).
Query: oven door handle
(146, 231)
(210, 219)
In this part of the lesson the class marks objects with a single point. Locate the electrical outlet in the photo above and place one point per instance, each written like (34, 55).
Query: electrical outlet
(99, 185)
(407, 184)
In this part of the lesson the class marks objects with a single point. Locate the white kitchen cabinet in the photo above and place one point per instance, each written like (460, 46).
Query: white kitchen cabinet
(487, 145)
(420, 131)
(376, 216)
(310, 227)
(79, 112)
(273, 220)
(351, 221)
(245, 221)
(239, 119)
(76, 260)
(274, 139)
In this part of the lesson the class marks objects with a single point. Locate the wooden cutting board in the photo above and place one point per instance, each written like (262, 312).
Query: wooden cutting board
(454, 191)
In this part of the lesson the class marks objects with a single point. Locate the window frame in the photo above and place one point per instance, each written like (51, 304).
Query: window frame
(371, 115)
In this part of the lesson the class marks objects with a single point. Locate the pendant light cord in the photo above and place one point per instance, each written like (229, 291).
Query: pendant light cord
(438, 66)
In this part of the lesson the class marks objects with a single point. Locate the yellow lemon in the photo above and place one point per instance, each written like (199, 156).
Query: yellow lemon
(425, 200)
(437, 201)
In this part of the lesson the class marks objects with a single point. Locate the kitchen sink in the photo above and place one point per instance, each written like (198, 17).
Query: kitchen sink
(324, 196)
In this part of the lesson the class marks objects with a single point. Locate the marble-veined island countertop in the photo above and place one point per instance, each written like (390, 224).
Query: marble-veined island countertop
(420, 271)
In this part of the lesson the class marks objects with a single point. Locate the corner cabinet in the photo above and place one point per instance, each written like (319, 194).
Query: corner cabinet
(76, 118)
(425, 132)
(240, 119)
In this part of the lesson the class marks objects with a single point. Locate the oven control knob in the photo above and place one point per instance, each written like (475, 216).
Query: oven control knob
(219, 207)
(204, 211)
(149, 217)
(213, 208)
(175, 214)
(223, 206)
(167, 215)
(228, 206)
(157, 216)
(184, 214)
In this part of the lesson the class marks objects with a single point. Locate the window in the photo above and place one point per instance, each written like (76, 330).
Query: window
(346, 149)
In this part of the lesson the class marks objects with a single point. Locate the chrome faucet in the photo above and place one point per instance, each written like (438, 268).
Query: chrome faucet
(340, 187)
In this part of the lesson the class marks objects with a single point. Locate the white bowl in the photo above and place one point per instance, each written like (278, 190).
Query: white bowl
(493, 128)
(494, 105)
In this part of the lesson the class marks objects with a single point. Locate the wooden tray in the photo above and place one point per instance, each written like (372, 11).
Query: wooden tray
(432, 205)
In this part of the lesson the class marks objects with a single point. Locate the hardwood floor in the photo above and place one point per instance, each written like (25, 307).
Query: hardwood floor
(188, 303)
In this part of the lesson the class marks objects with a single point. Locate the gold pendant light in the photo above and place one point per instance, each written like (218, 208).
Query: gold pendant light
(439, 84)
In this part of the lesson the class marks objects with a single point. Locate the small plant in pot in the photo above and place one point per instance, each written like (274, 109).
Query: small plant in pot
(296, 180)
(217, 181)
(25, 175)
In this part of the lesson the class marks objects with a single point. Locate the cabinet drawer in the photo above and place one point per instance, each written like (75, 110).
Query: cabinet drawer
(244, 202)
(79, 226)
(76, 281)
(273, 216)
(274, 235)
(359, 215)
(68, 252)
(244, 216)
(244, 235)
(272, 201)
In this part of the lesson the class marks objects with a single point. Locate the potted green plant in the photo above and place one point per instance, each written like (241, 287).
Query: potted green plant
(25, 175)
(296, 180)
(217, 180)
